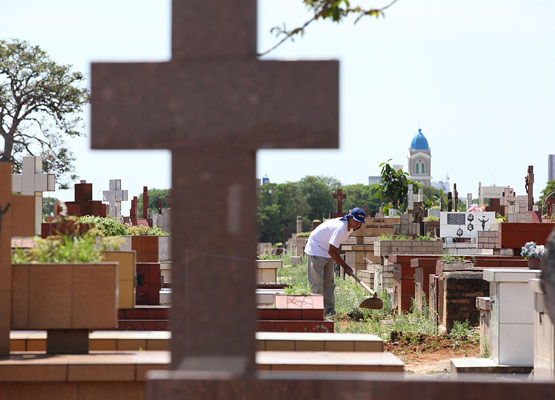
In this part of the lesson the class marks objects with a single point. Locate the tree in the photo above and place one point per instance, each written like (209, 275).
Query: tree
(278, 208)
(154, 196)
(39, 103)
(318, 191)
(334, 10)
(48, 206)
(360, 194)
(550, 187)
(394, 187)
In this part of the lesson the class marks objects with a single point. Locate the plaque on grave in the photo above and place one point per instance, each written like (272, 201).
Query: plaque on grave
(464, 224)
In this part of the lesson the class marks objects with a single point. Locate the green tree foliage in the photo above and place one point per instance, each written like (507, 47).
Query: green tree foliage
(278, 207)
(154, 196)
(550, 187)
(395, 186)
(318, 191)
(359, 194)
(39, 106)
(48, 206)
(311, 197)
(334, 10)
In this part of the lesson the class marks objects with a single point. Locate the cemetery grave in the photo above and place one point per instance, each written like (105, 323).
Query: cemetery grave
(201, 361)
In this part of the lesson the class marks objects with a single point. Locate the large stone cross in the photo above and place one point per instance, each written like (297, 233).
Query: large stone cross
(339, 196)
(32, 182)
(213, 105)
(114, 197)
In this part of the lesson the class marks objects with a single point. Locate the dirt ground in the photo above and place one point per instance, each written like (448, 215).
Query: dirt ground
(430, 355)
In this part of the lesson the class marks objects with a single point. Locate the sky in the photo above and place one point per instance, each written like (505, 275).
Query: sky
(476, 77)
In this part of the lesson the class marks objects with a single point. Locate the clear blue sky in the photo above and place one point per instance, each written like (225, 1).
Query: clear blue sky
(477, 77)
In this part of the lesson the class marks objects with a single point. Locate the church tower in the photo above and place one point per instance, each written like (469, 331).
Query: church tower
(420, 159)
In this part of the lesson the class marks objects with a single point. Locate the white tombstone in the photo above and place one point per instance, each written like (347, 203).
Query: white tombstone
(33, 182)
(544, 335)
(114, 197)
(512, 316)
(410, 197)
(464, 224)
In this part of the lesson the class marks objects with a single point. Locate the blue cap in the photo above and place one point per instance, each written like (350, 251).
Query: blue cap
(357, 213)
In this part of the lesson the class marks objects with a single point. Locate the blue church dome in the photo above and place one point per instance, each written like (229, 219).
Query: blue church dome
(419, 142)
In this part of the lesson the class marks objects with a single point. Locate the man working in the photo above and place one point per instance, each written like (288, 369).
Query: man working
(322, 249)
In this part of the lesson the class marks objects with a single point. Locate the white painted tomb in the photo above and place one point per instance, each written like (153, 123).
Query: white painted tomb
(512, 316)
(544, 335)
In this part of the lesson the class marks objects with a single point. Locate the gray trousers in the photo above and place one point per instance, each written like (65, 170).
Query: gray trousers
(321, 279)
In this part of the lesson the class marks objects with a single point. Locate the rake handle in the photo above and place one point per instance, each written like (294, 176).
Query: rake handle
(364, 285)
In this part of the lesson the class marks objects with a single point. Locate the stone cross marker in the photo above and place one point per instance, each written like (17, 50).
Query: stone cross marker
(530, 187)
(410, 197)
(214, 105)
(339, 196)
(114, 197)
(32, 182)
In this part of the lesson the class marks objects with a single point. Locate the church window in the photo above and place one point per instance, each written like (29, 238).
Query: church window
(423, 169)
(417, 168)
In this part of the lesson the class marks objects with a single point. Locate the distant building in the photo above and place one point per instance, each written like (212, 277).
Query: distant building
(265, 180)
(441, 185)
(420, 159)
(551, 167)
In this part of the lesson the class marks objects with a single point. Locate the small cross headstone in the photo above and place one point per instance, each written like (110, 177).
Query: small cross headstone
(84, 204)
(339, 196)
(410, 197)
(114, 197)
(32, 182)
(252, 104)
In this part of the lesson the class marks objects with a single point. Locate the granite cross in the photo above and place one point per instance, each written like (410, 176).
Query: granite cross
(339, 196)
(32, 182)
(530, 187)
(214, 105)
(114, 197)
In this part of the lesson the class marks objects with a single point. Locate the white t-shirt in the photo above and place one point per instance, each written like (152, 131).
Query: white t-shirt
(333, 231)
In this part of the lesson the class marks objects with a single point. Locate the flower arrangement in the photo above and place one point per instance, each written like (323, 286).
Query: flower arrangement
(476, 208)
(531, 250)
